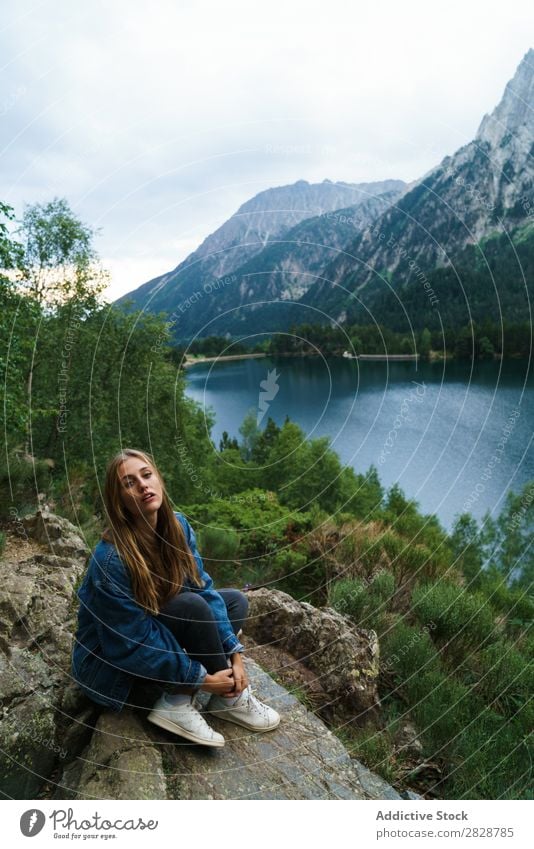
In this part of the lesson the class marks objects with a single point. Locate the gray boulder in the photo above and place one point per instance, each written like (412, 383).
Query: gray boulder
(37, 621)
(344, 659)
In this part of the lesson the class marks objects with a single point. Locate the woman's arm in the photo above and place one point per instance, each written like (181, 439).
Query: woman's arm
(133, 639)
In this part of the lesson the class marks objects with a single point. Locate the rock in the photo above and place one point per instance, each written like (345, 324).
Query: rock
(301, 759)
(37, 622)
(375, 787)
(407, 741)
(409, 794)
(121, 762)
(343, 657)
(28, 746)
(57, 533)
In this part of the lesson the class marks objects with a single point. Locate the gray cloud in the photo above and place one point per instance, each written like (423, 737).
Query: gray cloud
(157, 121)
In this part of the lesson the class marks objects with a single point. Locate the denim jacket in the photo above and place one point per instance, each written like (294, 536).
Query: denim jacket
(117, 640)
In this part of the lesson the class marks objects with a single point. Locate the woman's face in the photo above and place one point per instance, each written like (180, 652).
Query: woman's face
(140, 488)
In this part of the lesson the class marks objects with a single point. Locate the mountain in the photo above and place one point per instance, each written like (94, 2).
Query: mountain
(253, 229)
(484, 189)
(263, 218)
(454, 245)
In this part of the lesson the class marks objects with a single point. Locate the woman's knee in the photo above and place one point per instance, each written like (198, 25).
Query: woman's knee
(188, 605)
(235, 600)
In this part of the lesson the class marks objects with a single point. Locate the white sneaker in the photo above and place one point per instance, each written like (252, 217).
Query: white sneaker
(247, 711)
(186, 721)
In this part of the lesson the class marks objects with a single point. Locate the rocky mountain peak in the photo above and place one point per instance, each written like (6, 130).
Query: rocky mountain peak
(515, 113)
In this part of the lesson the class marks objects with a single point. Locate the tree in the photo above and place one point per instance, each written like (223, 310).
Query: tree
(10, 251)
(425, 344)
(18, 320)
(250, 432)
(59, 261)
(59, 271)
(486, 349)
(265, 442)
(466, 545)
(228, 442)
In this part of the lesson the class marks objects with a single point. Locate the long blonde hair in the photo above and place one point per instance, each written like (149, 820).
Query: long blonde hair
(159, 562)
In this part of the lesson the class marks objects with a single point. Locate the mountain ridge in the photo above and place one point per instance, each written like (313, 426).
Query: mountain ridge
(485, 186)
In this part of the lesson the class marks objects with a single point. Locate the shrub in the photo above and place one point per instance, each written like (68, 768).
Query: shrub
(441, 707)
(491, 760)
(376, 749)
(347, 596)
(408, 652)
(362, 601)
(506, 677)
(255, 514)
(20, 482)
(462, 619)
(302, 577)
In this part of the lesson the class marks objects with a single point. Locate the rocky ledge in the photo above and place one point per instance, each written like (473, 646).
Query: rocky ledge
(57, 744)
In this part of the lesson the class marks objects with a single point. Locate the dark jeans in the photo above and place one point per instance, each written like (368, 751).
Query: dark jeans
(192, 622)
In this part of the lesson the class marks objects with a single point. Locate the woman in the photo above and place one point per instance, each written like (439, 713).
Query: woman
(149, 609)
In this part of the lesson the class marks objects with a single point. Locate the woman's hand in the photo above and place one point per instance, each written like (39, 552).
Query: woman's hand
(239, 674)
(221, 683)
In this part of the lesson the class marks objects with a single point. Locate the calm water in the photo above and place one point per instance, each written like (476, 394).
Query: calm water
(456, 437)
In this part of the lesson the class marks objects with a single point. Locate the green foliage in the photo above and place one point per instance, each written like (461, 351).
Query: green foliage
(505, 677)
(363, 601)
(466, 545)
(462, 620)
(361, 495)
(59, 261)
(259, 519)
(2, 542)
(21, 479)
(250, 432)
(219, 547)
(507, 541)
(408, 652)
(491, 758)
(376, 749)
(515, 604)
(295, 572)
(11, 252)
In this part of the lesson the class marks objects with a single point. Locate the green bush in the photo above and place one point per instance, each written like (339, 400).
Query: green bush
(460, 618)
(506, 677)
(376, 749)
(408, 652)
(2, 542)
(219, 548)
(218, 543)
(20, 482)
(441, 707)
(301, 576)
(491, 759)
(362, 601)
(347, 596)
(255, 514)
(516, 604)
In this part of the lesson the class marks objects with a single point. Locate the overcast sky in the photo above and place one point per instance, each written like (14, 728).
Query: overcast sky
(157, 120)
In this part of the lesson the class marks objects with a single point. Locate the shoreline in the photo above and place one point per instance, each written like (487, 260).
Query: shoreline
(186, 363)
(363, 357)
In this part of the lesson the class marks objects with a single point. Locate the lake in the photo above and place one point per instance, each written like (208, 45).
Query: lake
(456, 436)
